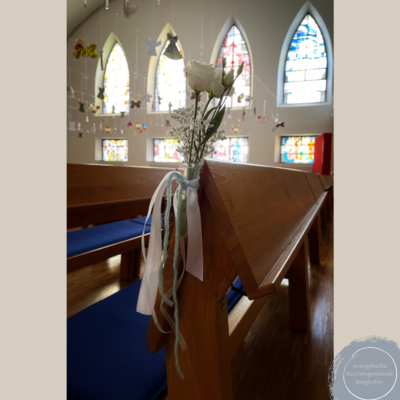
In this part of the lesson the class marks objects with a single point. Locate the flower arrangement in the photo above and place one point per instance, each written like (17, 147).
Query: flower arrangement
(198, 129)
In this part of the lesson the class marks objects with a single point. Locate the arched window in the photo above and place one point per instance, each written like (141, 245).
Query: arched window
(234, 49)
(306, 65)
(306, 61)
(170, 82)
(116, 82)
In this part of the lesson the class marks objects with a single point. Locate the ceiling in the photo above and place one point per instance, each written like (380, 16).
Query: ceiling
(77, 13)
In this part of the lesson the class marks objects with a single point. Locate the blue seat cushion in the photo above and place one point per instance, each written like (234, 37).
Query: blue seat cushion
(84, 240)
(142, 220)
(107, 353)
(233, 297)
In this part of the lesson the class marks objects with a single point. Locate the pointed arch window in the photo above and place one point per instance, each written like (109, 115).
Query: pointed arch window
(235, 50)
(170, 82)
(116, 82)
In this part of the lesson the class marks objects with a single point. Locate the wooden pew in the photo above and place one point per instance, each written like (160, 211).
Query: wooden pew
(327, 183)
(314, 235)
(256, 222)
(100, 194)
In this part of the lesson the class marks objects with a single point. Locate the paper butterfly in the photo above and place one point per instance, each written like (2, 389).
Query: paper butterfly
(133, 104)
(145, 127)
(138, 126)
(153, 44)
(82, 51)
(81, 107)
(107, 129)
(101, 94)
(129, 124)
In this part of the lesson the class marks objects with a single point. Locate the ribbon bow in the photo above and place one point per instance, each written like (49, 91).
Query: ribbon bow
(133, 104)
(153, 274)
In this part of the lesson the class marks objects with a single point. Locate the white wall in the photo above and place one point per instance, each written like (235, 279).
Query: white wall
(265, 22)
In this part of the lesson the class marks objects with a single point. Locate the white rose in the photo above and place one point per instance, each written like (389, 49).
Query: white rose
(217, 87)
(228, 79)
(200, 75)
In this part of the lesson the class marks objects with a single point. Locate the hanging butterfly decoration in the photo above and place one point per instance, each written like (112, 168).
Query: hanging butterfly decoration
(129, 10)
(92, 108)
(235, 129)
(129, 125)
(135, 104)
(240, 98)
(81, 107)
(101, 93)
(172, 51)
(145, 127)
(277, 125)
(84, 51)
(107, 129)
(138, 126)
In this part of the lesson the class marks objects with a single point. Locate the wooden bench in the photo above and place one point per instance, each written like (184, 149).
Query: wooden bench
(327, 183)
(109, 196)
(256, 222)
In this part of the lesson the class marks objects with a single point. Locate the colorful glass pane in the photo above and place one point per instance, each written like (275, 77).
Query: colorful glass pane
(297, 149)
(116, 82)
(115, 150)
(235, 149)
(170, 83)
(306, 65)
(165, 150)
(235, 50)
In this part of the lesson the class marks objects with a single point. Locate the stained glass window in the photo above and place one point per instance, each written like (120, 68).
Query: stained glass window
(234, 49)
(297, 149)
(115, 150)
(165, 150)
(306, 65)
(234, 149)
(170, 85)
(116, 82)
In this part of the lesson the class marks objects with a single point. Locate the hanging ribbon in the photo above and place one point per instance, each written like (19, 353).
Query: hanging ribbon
(153, 274)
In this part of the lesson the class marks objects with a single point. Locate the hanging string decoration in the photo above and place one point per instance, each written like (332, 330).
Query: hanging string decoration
(172, 50)
(135, 104)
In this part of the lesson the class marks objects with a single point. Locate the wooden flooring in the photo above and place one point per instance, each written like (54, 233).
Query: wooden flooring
(273, 362)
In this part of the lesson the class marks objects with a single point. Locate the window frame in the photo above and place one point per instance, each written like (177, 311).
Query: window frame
(307, 8)
(232, 20)
(99, 81)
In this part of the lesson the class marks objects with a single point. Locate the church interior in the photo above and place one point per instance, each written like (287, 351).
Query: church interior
(245, 236)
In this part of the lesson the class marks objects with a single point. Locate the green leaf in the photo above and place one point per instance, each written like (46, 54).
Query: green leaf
(209, 112)
(216, 122)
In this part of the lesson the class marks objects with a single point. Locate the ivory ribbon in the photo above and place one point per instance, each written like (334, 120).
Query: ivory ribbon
(154, 263)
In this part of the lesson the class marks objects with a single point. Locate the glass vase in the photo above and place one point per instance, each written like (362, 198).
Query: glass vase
(191, 172)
